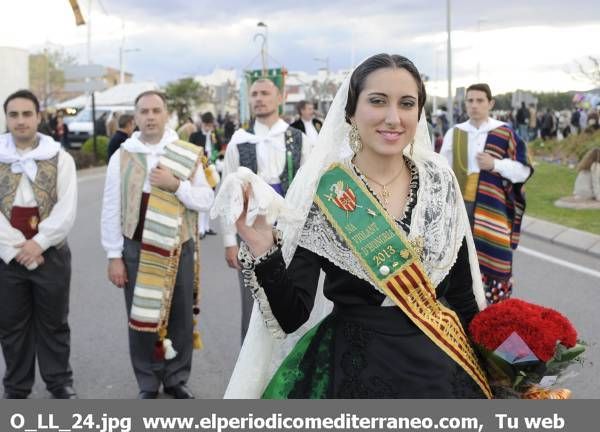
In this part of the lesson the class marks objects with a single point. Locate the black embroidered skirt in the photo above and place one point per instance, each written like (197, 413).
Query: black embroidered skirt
(369, 352)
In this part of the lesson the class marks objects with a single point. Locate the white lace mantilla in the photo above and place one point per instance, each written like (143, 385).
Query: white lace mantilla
(319, 237)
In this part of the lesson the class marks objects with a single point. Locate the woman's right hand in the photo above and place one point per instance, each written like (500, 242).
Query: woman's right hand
(259, 236)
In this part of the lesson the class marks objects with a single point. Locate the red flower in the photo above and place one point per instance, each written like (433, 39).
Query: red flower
(540, 327)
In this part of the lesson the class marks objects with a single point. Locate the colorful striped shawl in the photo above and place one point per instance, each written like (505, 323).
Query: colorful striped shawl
(499, 206)
(161, 244)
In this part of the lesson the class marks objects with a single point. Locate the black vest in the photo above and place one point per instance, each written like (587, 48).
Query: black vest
(293, 150)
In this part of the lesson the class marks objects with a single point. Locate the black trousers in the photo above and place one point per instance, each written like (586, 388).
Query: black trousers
(149, 373)
(34, 308)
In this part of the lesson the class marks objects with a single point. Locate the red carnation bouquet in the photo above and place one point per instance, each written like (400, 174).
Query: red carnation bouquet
(526, 348)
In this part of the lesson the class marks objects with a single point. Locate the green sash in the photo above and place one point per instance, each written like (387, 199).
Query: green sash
(391, 261)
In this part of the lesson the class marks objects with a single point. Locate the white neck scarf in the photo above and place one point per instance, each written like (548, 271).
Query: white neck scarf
(135, 145)
(267, 145)
(485, 127)
(26, 163)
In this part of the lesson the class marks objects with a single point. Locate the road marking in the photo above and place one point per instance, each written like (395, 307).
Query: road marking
(560, 262)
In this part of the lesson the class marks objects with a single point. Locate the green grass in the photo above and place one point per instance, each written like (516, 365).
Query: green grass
(550, 182)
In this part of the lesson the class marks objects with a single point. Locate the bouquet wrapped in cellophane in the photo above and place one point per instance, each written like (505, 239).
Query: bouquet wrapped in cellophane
(526, 348)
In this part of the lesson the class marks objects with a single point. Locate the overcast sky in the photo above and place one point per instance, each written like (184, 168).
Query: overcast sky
(513, 43)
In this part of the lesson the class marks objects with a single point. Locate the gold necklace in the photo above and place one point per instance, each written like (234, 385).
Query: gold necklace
(385, 193)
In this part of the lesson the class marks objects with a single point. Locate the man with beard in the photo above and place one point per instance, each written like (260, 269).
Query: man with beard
(270, 148)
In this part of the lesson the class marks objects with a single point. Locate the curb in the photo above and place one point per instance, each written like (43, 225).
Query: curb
(572, 238)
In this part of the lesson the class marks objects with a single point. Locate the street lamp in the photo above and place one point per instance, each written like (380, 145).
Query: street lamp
(122, 51)
(265, 47)
(89, 33)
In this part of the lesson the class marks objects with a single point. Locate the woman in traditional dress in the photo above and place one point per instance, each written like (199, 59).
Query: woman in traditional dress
(388, 227)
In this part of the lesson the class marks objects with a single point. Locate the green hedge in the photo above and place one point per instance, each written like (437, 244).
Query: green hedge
(101, 147)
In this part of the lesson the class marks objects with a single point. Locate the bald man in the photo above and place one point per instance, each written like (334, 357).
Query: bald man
(152, 195)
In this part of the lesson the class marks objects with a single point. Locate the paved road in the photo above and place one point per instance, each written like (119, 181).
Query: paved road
(98, 318)
(573, 290)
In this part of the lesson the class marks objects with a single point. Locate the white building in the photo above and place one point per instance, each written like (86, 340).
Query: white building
(14, 75)
(319, 88)
(223, 85)
(121, 94)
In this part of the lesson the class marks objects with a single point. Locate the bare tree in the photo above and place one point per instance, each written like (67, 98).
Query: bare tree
(589, 70)
(46, 77)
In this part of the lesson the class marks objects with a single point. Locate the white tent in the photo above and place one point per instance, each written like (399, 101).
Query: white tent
(121, 94)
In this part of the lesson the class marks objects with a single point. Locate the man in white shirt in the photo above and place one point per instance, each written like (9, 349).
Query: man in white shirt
(132, 229)
(38, 202)
(206, 137)
(307, 122)
(272, 149)
(491, 164)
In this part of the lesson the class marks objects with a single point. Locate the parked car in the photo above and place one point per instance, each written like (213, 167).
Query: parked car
(81, 128)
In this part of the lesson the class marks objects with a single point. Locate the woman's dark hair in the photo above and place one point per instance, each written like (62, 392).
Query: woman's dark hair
(380, 61)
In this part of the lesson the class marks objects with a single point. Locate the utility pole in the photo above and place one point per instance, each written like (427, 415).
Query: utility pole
(89, 33)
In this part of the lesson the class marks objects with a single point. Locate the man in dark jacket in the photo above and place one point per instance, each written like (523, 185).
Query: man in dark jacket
(126, 126)
(523, 121)
(206, 137)
(307, 122)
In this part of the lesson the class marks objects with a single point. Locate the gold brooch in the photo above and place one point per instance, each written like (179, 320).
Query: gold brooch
(33, 222)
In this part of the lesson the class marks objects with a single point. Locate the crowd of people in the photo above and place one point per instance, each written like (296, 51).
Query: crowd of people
(546, 123)
(413, 221)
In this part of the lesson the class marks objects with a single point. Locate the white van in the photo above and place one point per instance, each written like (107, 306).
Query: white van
(81, 128)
